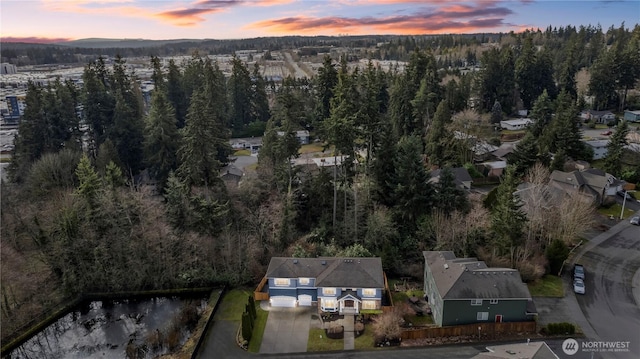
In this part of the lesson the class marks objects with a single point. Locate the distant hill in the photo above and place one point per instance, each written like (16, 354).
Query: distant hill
(99, 43)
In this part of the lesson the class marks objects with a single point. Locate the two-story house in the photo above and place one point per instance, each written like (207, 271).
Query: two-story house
(336, 285)
(466, 291)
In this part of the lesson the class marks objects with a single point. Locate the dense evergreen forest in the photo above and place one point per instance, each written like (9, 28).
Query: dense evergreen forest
(107, 195)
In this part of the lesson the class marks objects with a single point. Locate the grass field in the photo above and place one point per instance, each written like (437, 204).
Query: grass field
(233, 304)
(366, 340)
(242, 153)
(311, 148)
(547, 286)
(615, 211)
(318, 341)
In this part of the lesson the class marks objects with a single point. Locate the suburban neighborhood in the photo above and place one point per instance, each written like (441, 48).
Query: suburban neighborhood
(445, 195)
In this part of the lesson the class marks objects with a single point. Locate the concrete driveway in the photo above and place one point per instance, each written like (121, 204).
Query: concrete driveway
(287, 330)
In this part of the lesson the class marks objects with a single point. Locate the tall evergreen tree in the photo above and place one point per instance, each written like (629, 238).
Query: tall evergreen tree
(507, 218)
(239, 88)
(202, 139)
(542, 114)
(29, 141)
(439, 139)
(326, 81)
(259, 100)
(175, 93)
(448, 196)
(525, 154)
(615, 149)
(160, 138)
(413, 195)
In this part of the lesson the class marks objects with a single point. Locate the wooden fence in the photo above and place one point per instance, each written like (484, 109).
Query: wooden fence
(484, 330)
(258, 294)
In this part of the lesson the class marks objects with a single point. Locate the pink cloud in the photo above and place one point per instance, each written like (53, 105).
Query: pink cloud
(446, 19)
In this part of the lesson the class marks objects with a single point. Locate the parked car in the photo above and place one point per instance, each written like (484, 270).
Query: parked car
(606, 133)
(578, 286)
(635, 220)
(578, 272)
(624, 194)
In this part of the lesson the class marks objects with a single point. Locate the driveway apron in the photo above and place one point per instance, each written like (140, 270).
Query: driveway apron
(286, 331)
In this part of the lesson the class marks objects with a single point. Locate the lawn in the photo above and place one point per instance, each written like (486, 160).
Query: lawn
(318, 341)
(615, 211)
(311, 148)
(418, 320)
(366, 340)
(258, 329)
(242, 153)
(233, 305)
(547, 286)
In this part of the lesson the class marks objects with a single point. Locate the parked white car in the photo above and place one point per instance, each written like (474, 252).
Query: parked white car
(578, 286)
(635, 220)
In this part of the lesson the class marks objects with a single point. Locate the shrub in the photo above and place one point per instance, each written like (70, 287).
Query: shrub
(335, 332)
(563, 328)
(388, 325)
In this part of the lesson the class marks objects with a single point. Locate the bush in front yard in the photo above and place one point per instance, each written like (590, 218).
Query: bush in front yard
(388, 325)
(335, 332)
(358, 329)
(563, 328)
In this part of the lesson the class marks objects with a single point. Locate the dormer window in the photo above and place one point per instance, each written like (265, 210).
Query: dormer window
(281, 282)
(304, 281)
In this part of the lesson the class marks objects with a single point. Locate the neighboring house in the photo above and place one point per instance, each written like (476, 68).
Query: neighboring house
(597, 116)
(528, 350)
(503, 152)
(302, 136)
(633, 116)
(461, 176)
(592, 183)
(336, 285)
(532, 196)
(231, 175)
(466, 291)
(495, 168)
(599, 148)
(519, 124)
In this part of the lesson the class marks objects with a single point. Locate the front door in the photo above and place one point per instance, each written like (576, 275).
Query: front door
(499, 318)
(348, 304)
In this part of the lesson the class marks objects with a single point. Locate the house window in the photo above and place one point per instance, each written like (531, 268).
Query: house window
(369, 304)
(328, 303)
(493, 301)
(369, 292)
(281, 282)
(303, 281)
(482, 316)
(476, 301)
(329, 291)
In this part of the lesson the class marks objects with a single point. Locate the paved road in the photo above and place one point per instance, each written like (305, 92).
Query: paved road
(609, 305)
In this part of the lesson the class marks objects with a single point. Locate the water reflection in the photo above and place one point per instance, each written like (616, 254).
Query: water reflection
(113, 329)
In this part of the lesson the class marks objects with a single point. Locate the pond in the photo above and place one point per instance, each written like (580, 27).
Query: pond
(124, 328)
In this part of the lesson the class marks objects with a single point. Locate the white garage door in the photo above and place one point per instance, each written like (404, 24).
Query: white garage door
(304, 300)
(283, 302)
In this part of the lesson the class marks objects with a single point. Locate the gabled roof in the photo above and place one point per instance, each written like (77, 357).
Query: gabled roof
(468, 278)
(532, 350)
(329, 271)
(460, 175)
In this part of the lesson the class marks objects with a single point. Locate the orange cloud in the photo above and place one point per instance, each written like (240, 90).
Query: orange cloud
(448, 19)
(34, 39)
(189, 15)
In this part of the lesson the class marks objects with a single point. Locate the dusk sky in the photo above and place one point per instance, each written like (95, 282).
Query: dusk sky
(54, 20)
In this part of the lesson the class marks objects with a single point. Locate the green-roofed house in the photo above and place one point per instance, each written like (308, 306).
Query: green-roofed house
(466, 291)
